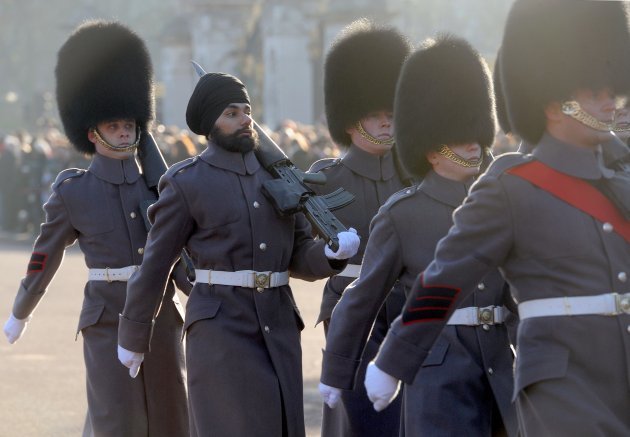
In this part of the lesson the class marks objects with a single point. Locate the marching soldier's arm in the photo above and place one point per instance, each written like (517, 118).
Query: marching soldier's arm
(56, 234)
(479, 241)
(354, 315)
(172, 224)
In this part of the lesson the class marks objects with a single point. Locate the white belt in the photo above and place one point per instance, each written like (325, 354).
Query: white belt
(610, 304)
(475, 316)
(243, 278)
(351, 271)
(123, 274)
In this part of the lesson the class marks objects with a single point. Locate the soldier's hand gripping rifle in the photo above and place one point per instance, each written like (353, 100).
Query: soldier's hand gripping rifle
(153, 167)
(289, 193)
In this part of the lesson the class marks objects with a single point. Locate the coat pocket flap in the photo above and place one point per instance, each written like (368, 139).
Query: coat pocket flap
(90, 315)
(200, 310)
(536, 366)
(436, 354)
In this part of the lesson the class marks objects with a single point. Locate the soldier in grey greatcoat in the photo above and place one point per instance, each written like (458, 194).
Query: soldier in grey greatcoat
(452, 393)
(361, 71)
(556, 222)
(242, 325)
(105, 98)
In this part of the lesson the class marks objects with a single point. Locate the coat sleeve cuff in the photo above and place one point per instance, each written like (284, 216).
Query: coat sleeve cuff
(135, 336)
(338, 371)
(400, 358)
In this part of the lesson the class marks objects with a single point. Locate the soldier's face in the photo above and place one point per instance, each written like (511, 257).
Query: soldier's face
(233, 130)
(449, 169)
(377, 124)
(118, 133)
(599, 104)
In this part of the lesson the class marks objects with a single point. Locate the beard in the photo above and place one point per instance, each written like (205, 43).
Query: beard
(233, 142)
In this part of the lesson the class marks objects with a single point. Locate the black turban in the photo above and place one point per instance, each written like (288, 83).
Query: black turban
(213, 93)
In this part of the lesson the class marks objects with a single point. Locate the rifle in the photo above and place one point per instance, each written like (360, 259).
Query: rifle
(289, 193)
(153, 167)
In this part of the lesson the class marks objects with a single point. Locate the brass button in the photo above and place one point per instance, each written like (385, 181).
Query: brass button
(624, 304)
(490, 370)
(256, 204)
(481, 286)
(267, 330)
(607, 227)
(622, 276)
(141, 250)
(485, 327)
(132, 215)
(263, 246)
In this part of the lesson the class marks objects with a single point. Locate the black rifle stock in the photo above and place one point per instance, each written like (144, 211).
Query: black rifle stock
(153, 167)
(289, 193)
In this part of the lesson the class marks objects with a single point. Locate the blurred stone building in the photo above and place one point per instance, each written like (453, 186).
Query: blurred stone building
(276, 46)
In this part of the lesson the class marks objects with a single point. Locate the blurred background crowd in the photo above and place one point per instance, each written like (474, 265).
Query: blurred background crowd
(30, 162)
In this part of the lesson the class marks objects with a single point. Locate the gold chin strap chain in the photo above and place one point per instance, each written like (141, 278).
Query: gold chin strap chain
(105, 144)
(370, 138)
(449, 154)
(574, 110)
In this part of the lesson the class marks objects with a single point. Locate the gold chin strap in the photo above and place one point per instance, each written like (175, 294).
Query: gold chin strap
(449, 154)
(128, 148)
(574, 110)
(370, 138)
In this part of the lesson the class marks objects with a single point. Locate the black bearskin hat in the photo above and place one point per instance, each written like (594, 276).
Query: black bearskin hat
(444, 96)
(551, 48)
(499, 98)
(103, 72)
(360, 74)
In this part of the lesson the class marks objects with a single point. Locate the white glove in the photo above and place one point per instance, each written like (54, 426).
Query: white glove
(381, 387)
(130, 359)
(330, 395)
(14, 328)
(348, 245)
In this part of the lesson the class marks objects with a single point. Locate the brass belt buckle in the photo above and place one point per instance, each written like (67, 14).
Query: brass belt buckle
(486, 315)
(622, 303)
(262, 281)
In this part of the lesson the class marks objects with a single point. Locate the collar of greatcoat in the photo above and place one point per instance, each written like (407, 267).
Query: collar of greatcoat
(114, 171)
(374, 167)
(444, 190)
(575, 161)
(236, 162)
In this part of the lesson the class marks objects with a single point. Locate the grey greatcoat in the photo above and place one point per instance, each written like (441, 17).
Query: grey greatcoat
(452, 393)
(243, 346)
(571, 373)
(100, 208)
(371, 179)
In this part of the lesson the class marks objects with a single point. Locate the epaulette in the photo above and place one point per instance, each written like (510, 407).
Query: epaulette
(181, 166)
(507, 161)
(400, 195)
(66, 175)
(323, 163)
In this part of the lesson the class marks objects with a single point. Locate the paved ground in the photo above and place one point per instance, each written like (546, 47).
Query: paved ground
(42, 380)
